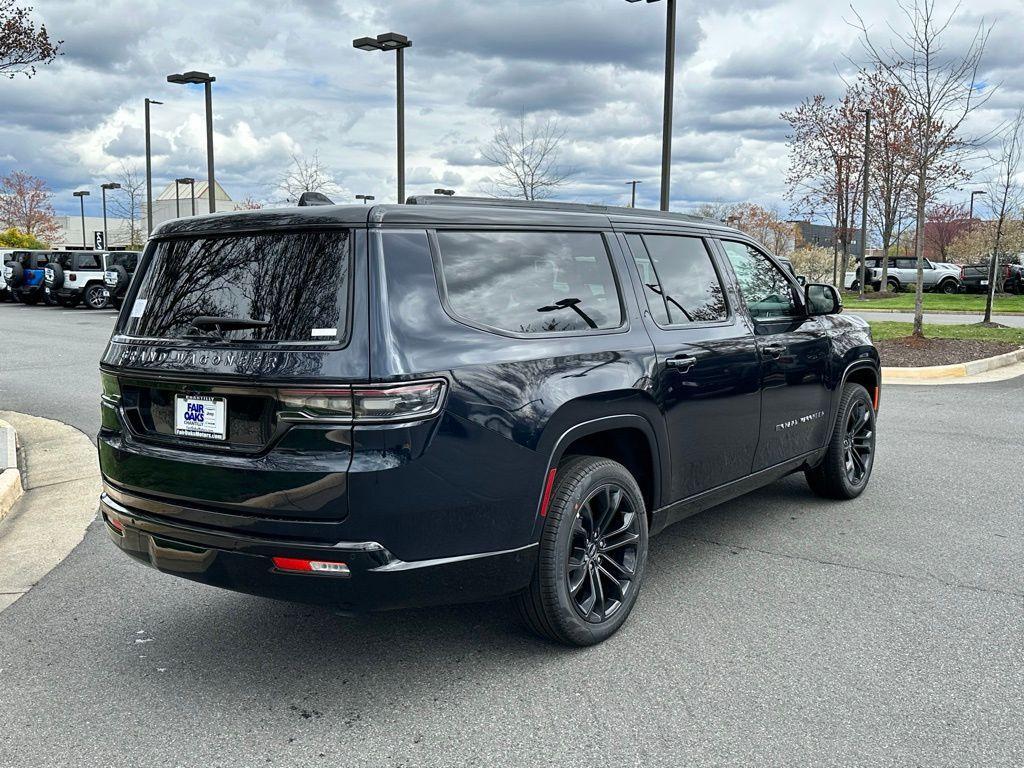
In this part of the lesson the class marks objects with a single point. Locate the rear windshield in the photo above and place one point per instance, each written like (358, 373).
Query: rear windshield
(294, 282)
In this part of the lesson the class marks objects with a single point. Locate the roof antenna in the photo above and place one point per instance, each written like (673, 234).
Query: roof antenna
(314, 198)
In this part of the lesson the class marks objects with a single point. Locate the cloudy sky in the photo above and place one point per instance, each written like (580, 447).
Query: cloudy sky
(289, 82)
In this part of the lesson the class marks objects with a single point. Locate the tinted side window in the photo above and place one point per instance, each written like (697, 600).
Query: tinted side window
(906, 264)
(88, 261)
(679, 278)
(765, 289)
(530, 282)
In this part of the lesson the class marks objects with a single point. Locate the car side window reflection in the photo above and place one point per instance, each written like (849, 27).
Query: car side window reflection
(766, 291)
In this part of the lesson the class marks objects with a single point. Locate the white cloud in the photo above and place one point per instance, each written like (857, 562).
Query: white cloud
(288, 81)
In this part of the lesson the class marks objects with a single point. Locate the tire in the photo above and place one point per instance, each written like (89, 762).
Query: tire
(116, 303)
(846, 469)
(17, 277)
(96, 296)
(855, 286)
(58, 276)
(584, 490)
(30, 298)
(892, 285)
(949, 286)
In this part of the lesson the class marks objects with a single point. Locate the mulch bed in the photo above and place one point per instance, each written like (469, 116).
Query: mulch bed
(911, 352)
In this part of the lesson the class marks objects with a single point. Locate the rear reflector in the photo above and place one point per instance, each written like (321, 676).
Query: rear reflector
(547, 493)
(114, 523)
(298, 565)
(878, 390)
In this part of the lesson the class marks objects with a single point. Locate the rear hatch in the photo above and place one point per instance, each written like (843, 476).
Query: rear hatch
(225, 380)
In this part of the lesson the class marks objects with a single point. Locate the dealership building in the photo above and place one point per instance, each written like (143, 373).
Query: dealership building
(168, 204)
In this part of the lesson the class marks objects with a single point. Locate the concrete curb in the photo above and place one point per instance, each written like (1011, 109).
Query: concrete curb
(10, 478)
(61, 481)
(955, 371)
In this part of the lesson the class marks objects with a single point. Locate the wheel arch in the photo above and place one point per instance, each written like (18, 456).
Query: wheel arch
(629, 439)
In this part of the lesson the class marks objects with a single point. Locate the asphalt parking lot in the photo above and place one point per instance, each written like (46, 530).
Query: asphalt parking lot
(778, 629)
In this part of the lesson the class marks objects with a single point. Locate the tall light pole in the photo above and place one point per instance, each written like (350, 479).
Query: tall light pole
(105, 187)
(666, 118)
(81, 195)
(864, 202)
(634, 182)
(207, 81)
(149, 172)
(177, 199)
(392, 41)
(970, 221)
(365, 198)
(192, 186)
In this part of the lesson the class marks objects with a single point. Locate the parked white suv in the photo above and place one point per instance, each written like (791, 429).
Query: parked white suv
(902, 274)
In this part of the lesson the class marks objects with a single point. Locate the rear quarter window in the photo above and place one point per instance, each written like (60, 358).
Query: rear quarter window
(530, 282)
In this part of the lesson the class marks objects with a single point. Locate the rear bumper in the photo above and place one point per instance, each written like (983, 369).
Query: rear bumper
(377, 580)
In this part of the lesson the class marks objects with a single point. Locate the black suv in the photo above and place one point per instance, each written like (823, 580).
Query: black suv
(72, 277)
(455, 400)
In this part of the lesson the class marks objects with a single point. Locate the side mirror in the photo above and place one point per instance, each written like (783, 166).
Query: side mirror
(822, 299)
(802, 279)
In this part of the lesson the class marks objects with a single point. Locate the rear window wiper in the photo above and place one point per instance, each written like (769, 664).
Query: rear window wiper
(217, 326)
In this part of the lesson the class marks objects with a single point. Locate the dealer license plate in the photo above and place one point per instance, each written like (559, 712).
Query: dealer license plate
(201, 416)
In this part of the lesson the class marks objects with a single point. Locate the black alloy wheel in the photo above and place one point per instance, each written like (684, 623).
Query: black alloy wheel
(845, 469)
(859, 442)
(602, 559)
(96, 297)
(591, 556)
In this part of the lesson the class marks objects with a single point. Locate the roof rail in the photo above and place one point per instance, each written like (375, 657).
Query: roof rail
(555, 205)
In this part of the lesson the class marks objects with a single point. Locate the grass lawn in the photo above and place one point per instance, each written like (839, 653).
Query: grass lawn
(937, 302)
(882, 330)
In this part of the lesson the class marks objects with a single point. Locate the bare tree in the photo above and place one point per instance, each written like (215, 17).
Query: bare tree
(942, 89)
(943, 223)
(891, 166)
(22, 44)
(826, 167)
(128, 202)
(526, 155)
(1005, 196)
(25, 203)
(306, 174)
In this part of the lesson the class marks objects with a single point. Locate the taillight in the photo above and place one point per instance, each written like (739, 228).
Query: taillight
(963, 273)
(1006, 270)
(401, 402)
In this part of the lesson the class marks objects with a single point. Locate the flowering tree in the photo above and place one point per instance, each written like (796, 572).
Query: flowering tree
(22, 44)
(25, 203)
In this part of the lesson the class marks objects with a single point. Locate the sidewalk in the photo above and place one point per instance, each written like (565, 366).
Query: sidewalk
(940, 318)
(62, 486)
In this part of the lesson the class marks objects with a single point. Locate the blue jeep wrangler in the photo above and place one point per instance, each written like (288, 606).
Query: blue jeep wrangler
(24, 274)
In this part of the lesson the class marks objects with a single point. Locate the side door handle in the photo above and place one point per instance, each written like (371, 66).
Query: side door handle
(684, 364)
(774, 351)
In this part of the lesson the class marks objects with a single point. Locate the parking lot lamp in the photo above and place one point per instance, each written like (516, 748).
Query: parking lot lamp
(392, 41)
(634, 182)
(207, 82)
(970, 221)
(149, 172)
(105, 187)
(666, 117)
(81, 195)
(192, 186)
(365, 198)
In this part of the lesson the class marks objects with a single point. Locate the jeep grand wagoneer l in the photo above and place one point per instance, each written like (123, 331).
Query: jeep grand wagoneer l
(455, 400)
